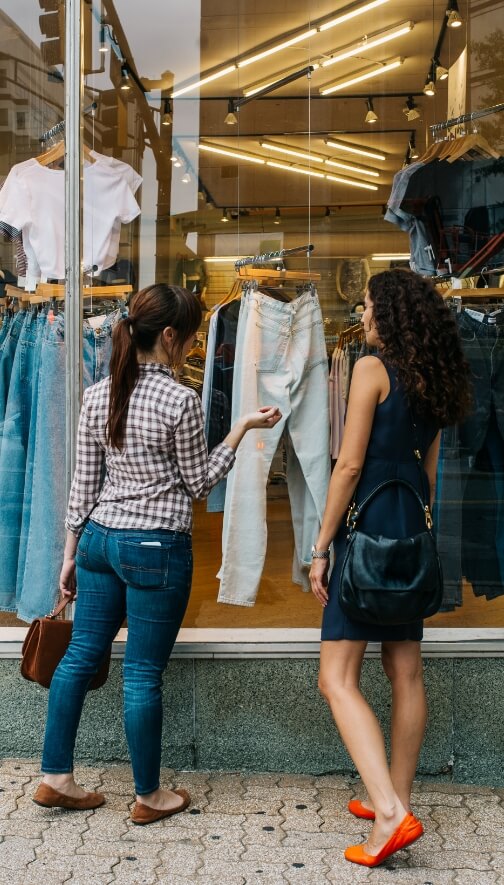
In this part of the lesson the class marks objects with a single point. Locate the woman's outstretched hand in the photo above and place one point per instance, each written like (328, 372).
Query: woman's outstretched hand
(265, 417)
(318, 579)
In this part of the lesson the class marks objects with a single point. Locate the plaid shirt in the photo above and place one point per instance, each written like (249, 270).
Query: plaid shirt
(163, 465)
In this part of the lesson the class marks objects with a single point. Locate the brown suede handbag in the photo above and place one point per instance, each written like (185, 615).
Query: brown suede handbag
(45, 645)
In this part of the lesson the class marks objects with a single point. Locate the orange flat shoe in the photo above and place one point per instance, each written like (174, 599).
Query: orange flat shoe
(356, 808)
(409, 830)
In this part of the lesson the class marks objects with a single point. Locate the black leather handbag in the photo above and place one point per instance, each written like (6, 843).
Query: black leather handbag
(388, 581)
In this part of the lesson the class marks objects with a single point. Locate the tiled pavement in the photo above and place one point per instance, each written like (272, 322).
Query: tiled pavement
(240, 830)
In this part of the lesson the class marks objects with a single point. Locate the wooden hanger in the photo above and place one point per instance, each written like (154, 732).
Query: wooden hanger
(46, 291)
(233, 294)
(263, 274)
(57, 152)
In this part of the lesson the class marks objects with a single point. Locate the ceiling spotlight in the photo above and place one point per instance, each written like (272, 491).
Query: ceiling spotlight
(412, 147)
(454, 17)
(371, 117)
(277, 219)
(231, 119)
(430, 86)
(186, 177)
(411, 109)
(166, 116)
(103, 39)
(441, 72)
(224, 216)
(125, 79)
(176, 162)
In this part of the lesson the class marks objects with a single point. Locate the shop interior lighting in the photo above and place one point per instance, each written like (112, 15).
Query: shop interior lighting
(305, 35)
(215, 76)
(369, 41)
(277, 219)
(104, 47)
(274, 81)
(384, 256)
(125, 79)
(454, 19)
(175, 160)
(350, 167)
(298, 169)
(222, 259)
(231, 119)
(411, 109)
(186, 178)
(440, 71)
(430, 86)
(236, 155)
(371, 116)
(379, 68)
(363, 184)
(166, 116)
(355, 10)
(224, 217)
(291, 152)
(413, 152)
(354, 149)
(327, 213)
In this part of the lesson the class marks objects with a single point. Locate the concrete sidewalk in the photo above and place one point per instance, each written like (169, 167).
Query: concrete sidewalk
(240, 830)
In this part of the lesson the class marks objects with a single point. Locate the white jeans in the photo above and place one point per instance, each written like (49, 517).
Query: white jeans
(281, 360)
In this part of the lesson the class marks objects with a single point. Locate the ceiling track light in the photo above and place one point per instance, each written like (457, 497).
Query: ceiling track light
(277, 219)
(440, 72)
(186, 178)
(371, 116)
(231, 119)
(430, 86)
(411, 109)
(354, 149)
(369, 41)
(104, 47)
(412, 146)
(125, 79)
(166, 115)
(378, 70)
(454, 19)
(224, 217)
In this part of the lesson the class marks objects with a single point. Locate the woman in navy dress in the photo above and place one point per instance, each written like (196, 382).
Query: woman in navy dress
(418, 377)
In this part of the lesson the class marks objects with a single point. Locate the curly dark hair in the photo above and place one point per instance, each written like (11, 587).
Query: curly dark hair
(420, 340)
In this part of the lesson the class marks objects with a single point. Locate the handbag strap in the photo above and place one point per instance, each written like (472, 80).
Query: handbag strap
(356, 510)
(60, 607)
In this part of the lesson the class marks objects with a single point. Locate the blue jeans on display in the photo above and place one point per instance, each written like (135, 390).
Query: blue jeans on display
(97, 349)
(7, 354)
(146, 577)
(13, 453)
(4, 328)
(38, 588)
(281, 360)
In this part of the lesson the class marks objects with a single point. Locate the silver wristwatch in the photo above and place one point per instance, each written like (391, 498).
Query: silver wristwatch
(319, 554)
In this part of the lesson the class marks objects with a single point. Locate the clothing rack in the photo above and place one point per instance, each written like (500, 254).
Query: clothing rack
(466, 118)
(46, 291)
(59, 127)
(266, 257)
(273, 276)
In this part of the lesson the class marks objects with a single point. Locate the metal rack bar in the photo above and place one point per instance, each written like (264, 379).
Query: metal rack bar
(266, 257)
(466, 118)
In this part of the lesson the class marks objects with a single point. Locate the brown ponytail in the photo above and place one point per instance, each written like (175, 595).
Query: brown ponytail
(151, 310)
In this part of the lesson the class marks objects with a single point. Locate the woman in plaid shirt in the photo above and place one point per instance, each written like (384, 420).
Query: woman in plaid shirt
(141, 460)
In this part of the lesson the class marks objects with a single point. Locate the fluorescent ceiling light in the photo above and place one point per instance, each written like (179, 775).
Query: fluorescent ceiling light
(223, 259)
(354, 149)
(284, 45)
(238, 155)
(295, 169)
(275, 78)
(369, 42)
(291, 152)
(363, 74)
(353, 11)
(384, 256)
(363, 184)
(215, 76)
(362, 170)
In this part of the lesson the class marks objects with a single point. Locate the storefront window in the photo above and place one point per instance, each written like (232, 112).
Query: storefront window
(215, 131)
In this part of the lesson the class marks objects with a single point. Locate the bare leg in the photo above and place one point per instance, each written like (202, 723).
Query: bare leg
(402, 662)
(340, 668)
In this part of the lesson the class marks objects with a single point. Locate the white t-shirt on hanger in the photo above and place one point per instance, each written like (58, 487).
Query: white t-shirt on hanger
(33, 200)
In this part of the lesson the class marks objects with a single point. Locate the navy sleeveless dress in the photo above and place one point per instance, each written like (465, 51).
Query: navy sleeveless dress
(394, 513)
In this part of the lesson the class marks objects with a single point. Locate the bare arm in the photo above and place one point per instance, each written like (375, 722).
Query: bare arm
(370, 384)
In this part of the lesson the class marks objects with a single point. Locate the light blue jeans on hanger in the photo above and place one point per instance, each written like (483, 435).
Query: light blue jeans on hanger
(7, 354)
(281, 360)
(13, 450)
(46, 532)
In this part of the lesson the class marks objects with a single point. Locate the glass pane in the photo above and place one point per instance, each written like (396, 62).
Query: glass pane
(32, 355)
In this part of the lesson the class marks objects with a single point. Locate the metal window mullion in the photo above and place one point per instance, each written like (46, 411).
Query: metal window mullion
(73, 228)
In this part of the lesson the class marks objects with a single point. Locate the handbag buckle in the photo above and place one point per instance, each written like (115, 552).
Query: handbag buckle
(428, 517)
(353, 512)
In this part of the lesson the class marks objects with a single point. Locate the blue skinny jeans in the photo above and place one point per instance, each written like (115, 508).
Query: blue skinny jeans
(144, 576)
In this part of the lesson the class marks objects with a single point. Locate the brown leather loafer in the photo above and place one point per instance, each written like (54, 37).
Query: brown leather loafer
(143, 814)
(48, 797)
